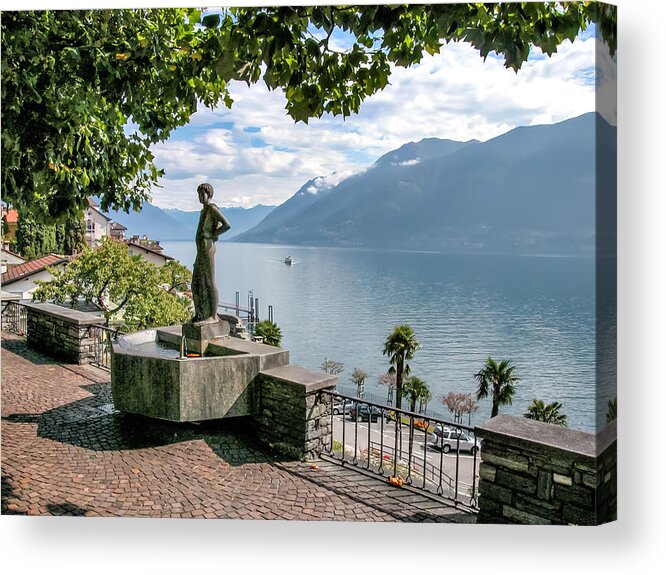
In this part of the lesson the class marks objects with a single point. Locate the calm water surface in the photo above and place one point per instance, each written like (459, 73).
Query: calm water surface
(342, 304)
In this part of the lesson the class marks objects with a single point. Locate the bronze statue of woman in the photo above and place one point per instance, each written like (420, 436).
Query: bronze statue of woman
(212, 224)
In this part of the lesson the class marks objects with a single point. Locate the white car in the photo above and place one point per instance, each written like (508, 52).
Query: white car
(343, 407)
(448, 438)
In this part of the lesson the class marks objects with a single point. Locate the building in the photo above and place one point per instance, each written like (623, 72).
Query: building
(118, 231)
(10, 223)
(9, 260)
(21, 279)
(150, 250)
(97, 224)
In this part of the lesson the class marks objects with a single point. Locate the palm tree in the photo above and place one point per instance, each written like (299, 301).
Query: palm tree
(400, 346)
(415, 389)
(499, 379)
(269, 331)
(550, 413)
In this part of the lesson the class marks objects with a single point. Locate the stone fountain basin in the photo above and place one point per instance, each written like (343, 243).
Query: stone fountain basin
(148, 377)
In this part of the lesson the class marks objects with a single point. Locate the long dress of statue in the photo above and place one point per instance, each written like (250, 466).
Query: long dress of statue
(212, 224)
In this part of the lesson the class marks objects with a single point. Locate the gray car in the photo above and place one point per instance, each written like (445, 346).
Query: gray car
(450, 438)
(343, 407)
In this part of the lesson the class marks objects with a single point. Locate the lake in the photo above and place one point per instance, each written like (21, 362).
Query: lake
(343, 303)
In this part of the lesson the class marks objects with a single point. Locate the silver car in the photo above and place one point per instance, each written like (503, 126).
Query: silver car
(343, 407)
(448, 438)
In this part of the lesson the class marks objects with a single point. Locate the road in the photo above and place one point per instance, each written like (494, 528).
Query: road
(365, 434)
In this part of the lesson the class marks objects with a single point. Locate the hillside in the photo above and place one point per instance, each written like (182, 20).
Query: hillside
(531, 190)
(172, 224)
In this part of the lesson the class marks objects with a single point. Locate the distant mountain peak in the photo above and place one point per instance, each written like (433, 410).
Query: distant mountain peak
(414, 153)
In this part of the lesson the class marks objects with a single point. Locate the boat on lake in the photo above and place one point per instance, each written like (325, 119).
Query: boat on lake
(289, 260)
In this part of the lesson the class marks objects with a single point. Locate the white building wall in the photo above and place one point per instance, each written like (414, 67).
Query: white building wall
(26, 286)
(152, 257)
(97, 227)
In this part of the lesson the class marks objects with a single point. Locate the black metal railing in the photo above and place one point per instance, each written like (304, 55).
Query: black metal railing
(15, 317)
(424, 452)
(102, 337)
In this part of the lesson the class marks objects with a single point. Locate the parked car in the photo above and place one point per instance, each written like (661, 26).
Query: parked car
(448, 438)
(365, 412)
(342, 407)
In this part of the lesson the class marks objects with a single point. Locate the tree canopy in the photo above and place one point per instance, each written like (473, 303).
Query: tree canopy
(546, 412)
(86, 93)
(35, 239)
(131, 291)
(415, 390)
(400, 346)
(459, 404)
(497, 380)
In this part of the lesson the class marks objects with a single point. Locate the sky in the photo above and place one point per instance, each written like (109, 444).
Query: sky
(255, 154)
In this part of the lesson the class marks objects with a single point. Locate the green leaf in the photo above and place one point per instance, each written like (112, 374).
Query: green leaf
(211, 20)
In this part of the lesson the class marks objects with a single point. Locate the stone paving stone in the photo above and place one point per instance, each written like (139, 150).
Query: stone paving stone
(65, 451)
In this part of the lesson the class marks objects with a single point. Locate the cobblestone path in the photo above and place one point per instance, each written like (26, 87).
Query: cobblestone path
(65, 451)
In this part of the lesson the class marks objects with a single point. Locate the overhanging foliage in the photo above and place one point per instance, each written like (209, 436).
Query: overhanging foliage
(86, 93)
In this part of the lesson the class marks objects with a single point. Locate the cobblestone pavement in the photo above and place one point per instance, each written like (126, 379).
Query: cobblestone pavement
(66, 452)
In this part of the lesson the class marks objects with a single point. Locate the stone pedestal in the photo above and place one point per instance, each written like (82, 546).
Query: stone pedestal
(198, 336)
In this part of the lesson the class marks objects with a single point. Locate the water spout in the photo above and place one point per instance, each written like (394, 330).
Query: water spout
(183, 347)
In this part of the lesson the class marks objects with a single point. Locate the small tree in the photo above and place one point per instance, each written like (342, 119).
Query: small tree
(388, 379)
(459, 404)
(499, 380)
(415, 389)
(269, 331)
(549, 413)
(331, 367)
(400, 346)
(35, 240)
(358, 377)
(128, 288)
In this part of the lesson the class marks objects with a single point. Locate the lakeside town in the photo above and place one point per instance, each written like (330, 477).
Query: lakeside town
(21, 274)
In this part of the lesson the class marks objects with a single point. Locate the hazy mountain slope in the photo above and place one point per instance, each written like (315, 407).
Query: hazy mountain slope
(530, 190)
(285, 221)
(172, 224)
(150, 221)
(241, 219)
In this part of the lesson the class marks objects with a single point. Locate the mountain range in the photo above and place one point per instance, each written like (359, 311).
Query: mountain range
(173, 224)
(530, 190)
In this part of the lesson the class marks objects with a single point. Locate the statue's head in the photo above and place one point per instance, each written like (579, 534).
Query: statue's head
(205, 191)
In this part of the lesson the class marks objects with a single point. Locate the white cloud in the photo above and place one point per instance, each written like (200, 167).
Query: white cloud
(413, 162)
(323, 183)
(259, 155)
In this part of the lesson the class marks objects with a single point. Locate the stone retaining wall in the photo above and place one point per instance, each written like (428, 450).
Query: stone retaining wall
(61, 332)
(291, 415)
(537, 473)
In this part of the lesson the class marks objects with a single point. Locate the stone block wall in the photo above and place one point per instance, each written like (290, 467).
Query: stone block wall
(537, 473)
(292, 416)
(60, 332)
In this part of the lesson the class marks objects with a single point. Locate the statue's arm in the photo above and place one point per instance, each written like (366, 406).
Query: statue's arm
(222, 222)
